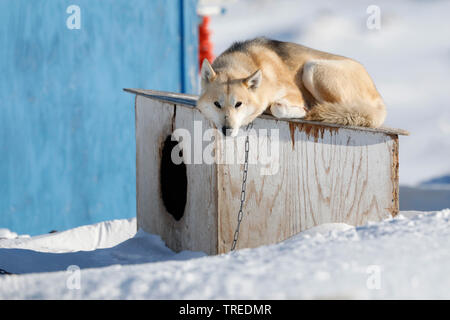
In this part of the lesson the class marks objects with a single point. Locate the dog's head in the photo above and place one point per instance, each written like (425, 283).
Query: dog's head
(229, 103)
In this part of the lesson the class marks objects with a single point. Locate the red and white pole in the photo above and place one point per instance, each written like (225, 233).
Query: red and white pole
(205, 48)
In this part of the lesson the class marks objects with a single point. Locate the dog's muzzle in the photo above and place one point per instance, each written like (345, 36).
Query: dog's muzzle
(226, 130)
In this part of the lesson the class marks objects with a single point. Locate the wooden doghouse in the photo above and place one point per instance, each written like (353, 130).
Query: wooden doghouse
(326, 173)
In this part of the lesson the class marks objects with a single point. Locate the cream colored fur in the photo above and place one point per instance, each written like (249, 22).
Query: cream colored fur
(289, 81)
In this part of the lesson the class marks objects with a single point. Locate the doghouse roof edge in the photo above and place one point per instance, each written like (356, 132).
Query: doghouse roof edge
(190, 100)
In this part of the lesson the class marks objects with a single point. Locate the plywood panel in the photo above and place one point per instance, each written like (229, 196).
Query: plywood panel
(325, 175)
(199, 231)
(153, 125)
(197, 228)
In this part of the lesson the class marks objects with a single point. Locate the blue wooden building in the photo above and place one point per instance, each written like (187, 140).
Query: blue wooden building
(67, 136)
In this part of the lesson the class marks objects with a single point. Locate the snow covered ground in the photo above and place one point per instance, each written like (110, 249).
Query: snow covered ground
(406, 257)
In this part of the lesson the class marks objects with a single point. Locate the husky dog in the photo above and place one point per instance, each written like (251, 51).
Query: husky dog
(286, 80)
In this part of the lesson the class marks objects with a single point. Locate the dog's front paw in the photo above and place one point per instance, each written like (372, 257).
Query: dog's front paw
(281, 109)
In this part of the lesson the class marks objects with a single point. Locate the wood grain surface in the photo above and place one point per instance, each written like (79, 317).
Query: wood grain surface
(300, 175)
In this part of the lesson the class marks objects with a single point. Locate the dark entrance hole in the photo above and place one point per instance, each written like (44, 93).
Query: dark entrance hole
(173, 181)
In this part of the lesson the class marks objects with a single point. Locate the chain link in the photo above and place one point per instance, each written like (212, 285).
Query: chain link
(244, 185)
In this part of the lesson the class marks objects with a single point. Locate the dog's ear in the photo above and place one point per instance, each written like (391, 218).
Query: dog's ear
(207, 72)
(254, 80)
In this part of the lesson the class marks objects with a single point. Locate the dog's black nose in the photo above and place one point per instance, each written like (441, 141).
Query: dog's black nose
(224, 130)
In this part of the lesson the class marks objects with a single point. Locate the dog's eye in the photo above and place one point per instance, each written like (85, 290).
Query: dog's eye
(217, 104)
(238, 104)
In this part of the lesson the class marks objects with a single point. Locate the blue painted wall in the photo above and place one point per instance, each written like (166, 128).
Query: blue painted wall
(67, 143)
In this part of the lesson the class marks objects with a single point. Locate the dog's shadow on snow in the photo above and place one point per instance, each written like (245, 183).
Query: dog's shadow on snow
(142, 248)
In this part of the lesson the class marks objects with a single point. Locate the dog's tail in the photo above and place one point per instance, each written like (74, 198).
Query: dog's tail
(355, 113)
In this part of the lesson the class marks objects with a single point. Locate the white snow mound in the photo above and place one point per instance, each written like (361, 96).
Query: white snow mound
(401, 258)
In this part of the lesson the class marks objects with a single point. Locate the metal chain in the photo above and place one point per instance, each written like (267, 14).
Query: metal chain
(244, 185)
